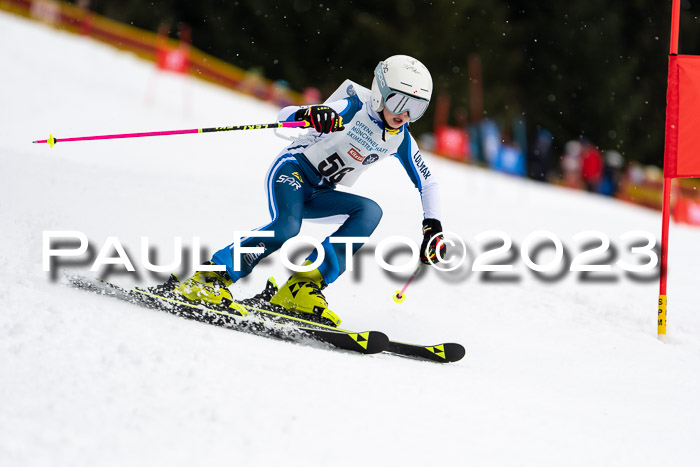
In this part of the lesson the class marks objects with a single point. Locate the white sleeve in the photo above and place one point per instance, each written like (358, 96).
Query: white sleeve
(430, 197)
(418, 171)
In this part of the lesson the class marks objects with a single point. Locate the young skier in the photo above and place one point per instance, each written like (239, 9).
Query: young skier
(348, 137)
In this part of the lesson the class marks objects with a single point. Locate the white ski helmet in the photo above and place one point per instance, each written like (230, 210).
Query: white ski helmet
(401, 84)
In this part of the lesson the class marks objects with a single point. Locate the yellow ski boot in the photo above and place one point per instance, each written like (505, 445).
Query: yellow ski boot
(207, 287)
(302, 294)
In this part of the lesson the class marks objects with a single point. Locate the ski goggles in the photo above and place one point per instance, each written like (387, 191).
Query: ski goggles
(398, 102)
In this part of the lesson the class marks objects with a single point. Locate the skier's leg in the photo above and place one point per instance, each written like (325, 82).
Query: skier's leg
(361, 216)
(286, 199)
(302, 292)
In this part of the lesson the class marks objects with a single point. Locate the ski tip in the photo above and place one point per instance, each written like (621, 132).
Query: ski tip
(454, 352)
(446, 353)
(439, 353)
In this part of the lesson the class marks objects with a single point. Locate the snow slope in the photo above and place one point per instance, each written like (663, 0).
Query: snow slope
(558, 372)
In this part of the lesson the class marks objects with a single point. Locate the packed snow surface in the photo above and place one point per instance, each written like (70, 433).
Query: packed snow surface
(561, 368)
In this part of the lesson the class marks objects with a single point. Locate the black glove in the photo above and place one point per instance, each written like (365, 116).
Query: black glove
(432, 242)
(321, 117)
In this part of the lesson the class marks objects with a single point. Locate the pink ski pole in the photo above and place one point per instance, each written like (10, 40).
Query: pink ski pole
(400, 295)
(262, 126)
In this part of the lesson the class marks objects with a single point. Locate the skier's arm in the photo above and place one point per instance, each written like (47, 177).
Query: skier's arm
(433, 248)
(322, 117)
(418, 171)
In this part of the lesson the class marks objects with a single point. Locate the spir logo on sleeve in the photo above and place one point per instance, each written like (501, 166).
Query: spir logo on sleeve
(286, 179)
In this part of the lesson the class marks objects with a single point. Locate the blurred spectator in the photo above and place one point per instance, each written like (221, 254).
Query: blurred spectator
(461, 116)
(254, 83)
(591, 167)
(640, 185)
(475, 144)
(490, 140)
(510, 157)
(571, 164)
(612, 173)
(312, 96)
(539, 156)
(279, 93)
(635, 173)
(452, 142)
(484, 141)
(519, 134)
(46, 11)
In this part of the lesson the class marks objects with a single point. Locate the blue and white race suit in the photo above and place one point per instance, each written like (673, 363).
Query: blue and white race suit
(301, 185)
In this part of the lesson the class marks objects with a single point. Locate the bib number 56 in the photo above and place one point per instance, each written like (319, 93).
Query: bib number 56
(333, 168)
